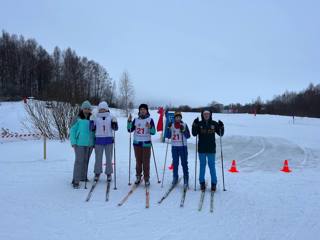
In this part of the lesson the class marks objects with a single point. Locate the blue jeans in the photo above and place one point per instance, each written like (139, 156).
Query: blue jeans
(212, 166)
(180, 152)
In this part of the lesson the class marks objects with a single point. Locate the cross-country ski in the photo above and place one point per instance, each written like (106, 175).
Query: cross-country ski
(147, 196)
(211, 201)
(108, 191)
(168, 191)
(133, 188)
(91, 190)
(201, 201)
(183, 197)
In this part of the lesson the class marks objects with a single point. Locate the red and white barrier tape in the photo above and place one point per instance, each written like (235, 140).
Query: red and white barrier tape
(22, 135)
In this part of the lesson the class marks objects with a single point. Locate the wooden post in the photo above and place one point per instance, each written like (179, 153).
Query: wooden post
(44, 147)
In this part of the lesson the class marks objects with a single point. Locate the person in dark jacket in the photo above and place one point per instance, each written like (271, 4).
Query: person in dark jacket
(206, 130)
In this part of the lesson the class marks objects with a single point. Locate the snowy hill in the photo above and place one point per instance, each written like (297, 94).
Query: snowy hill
(38, 202)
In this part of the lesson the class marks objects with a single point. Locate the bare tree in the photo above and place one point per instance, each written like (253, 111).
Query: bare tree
(126, 93)
(40, 118)
(51, 119)
(113, 96)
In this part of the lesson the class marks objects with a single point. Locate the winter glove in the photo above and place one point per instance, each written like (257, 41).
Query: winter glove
(92, 117)
(170, 125)
(114, 125)
(196, 122)
(221, 125)
(182, 128)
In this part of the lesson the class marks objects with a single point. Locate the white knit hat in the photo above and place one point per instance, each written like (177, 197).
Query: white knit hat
(103, 105)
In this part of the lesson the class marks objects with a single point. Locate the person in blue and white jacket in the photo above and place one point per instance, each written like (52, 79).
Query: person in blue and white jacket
(103, 124)
(179, 133)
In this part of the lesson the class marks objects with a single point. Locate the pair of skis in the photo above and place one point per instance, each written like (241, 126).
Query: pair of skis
(133, 188)
(94, 186)
(202, 196)
(183, 197)
(184, 192)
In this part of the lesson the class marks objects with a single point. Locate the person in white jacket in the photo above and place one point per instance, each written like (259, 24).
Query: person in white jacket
(103, 124)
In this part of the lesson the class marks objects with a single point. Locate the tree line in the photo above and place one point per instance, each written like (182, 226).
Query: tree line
(27, 69)
(304, 103)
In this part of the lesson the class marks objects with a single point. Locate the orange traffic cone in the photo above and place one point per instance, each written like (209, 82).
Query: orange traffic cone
(286, 167)
(233, 168)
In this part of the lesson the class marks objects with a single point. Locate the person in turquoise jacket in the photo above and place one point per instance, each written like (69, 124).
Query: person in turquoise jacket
(82, 141)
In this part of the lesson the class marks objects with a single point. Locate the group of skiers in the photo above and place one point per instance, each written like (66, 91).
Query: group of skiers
(90, 132)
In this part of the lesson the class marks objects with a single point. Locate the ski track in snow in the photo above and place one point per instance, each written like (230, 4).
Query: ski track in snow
(255, 154)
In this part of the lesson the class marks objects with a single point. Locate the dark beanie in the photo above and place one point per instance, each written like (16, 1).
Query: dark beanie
(143, 105)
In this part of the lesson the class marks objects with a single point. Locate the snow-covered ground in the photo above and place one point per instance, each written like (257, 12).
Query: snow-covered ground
(261, 202)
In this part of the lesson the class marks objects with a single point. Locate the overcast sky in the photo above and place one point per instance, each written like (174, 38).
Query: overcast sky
(183, 51)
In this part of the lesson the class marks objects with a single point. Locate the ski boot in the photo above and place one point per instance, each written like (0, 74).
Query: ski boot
(147, 183)
(76, 185)
(96, 177)
(174, 181)
(203, 186)
(213, 187)
(186, 183)
(109, 177)
(138, 180)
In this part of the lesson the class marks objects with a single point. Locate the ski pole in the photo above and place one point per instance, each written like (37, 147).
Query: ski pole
(130, 159)
(155, 164)
(165, 163)
(87, 164)
(114, 156)
(130, 150)
(195, 164)
(184, 149)
(224, 189)
(85, 181)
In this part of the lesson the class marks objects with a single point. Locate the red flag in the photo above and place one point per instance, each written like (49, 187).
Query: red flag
(160, 121)
(171, 167)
